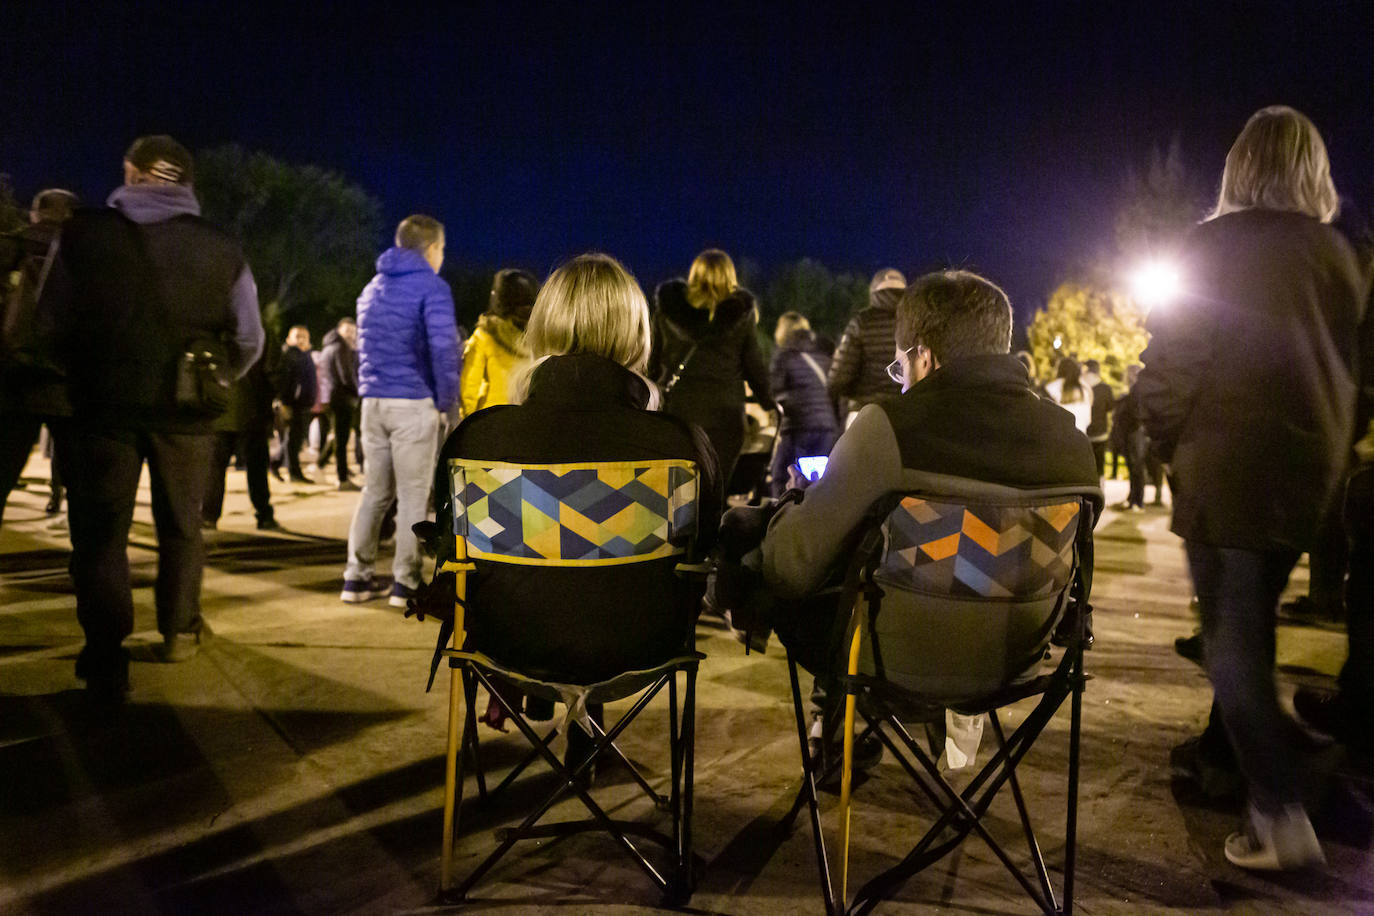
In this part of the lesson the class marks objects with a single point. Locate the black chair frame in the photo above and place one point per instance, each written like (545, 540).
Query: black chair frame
(676, 880)
(961, 812)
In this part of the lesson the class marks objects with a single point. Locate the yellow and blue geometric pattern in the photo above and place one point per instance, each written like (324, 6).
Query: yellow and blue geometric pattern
(589, 514)
(1007, 552)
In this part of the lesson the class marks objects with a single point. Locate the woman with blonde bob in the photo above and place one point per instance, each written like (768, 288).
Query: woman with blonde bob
(705, 347)
(583, 399)
(1249, 393)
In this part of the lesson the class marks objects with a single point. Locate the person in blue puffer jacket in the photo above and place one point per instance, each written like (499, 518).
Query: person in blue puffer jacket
(407, 379)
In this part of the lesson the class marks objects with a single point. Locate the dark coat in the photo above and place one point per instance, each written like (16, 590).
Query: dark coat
(580, 408)
(710, 391)
(799, 389)
(30, 379)
(859, 373)
(1249, 383)
(297, 383)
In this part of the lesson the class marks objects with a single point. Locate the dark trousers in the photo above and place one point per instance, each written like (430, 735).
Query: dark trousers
(103, 467)
(794, 444)
(1357, 675)
(253, 446)
(1238, 595)
(344, 416)
(18, 433)
(1100, 456)
(296, 430)
(1137, 466)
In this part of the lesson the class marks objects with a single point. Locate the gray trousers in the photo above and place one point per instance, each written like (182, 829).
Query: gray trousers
(400, 439)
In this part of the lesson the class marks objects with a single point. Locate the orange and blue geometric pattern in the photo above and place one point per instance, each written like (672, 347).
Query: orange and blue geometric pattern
(589, 514)
(1007, 552)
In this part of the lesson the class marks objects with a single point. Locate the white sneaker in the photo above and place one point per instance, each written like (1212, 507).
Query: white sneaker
(1284, 841)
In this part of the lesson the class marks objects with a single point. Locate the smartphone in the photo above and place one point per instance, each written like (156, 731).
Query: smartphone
(812, 466)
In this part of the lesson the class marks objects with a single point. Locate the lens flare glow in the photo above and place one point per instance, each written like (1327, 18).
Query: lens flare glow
(1155, 283)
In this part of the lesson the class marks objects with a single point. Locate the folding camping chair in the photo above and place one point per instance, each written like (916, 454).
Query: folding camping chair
(952, 600)
(609, 515)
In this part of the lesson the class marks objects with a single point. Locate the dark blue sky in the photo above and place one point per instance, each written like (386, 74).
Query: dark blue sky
(862, 135)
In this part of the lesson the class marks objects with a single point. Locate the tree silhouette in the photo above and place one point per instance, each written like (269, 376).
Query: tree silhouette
(309, 234)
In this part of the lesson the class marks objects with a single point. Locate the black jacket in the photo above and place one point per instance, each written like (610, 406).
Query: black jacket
(31, 381)
(727, 354)
(297, 383)
(1250, 380)
(797, 376)
(595, 621)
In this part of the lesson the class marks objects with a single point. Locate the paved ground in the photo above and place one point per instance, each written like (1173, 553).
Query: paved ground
(296, 765)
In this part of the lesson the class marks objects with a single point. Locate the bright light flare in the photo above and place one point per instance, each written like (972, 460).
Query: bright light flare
(1155, 283)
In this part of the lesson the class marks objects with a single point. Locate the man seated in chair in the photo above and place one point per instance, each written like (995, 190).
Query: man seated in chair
(966, 410)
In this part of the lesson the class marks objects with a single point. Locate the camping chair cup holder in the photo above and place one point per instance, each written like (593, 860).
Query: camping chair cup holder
(942, 580)
(605, 514)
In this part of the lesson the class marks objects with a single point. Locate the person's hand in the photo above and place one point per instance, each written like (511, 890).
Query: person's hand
(796, 480)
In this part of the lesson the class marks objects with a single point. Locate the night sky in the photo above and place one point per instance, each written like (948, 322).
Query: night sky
(995, 137)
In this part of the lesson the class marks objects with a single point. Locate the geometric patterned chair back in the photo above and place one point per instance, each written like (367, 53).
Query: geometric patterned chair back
(993, 551)
(580, 514)
(970, 589)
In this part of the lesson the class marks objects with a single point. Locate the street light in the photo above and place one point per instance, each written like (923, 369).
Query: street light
(1155, 283)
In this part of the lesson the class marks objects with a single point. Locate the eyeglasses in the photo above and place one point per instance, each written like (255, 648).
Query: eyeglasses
(894, 368)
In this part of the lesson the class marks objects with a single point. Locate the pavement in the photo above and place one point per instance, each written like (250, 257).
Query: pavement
(295, 765)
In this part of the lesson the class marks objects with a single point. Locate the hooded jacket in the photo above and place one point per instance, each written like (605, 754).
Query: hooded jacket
(491, 354)
(135, 282)
(407, 332)
(339, 375)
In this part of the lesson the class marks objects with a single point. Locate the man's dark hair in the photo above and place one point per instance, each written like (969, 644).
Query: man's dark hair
(955, 314)
(162, 158)
(54, 205)
(418, 232)
(1091, 365)
(513, 293)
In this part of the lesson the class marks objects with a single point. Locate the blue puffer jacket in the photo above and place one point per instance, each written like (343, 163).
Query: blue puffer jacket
(407, 333)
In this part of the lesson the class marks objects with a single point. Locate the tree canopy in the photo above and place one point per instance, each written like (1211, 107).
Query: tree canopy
(1088, 322)
(12, 214)
(807, 286)
(309, 235)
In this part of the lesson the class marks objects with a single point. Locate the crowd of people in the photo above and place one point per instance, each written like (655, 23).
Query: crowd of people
(143, 342)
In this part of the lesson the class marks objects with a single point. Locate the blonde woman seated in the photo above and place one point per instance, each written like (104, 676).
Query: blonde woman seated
(583, 399)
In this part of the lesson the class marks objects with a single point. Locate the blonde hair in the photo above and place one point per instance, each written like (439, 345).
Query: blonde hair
(788, 324)
(590, 304)
(418, 232)
(1278, 162)
(711, 279)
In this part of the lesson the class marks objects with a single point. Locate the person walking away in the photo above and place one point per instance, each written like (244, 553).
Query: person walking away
(340, 391)
(497, 346)
(138, 286)
(797, 376)
(1068, 390)
(297, 389)
(1249, 392)
(31, 386)
(408, 378)
(705, 348)
(858, 374)
(1099, 423)
(1128, 434)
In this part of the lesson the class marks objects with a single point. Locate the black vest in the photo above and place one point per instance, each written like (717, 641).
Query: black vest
(137, 293)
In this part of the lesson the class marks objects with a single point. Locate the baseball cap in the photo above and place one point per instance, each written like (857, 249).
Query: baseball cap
(162, 157)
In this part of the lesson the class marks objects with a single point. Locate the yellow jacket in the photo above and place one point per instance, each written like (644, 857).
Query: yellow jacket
(491, 354)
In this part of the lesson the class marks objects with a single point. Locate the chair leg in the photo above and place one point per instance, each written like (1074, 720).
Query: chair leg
(471, 741)
(808, 793)
(450, 784)
(1071, 819)
(1037, 859)
(689, 737)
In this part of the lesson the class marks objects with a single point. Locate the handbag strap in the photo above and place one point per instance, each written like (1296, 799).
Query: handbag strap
(815, 366)
(677, 373)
